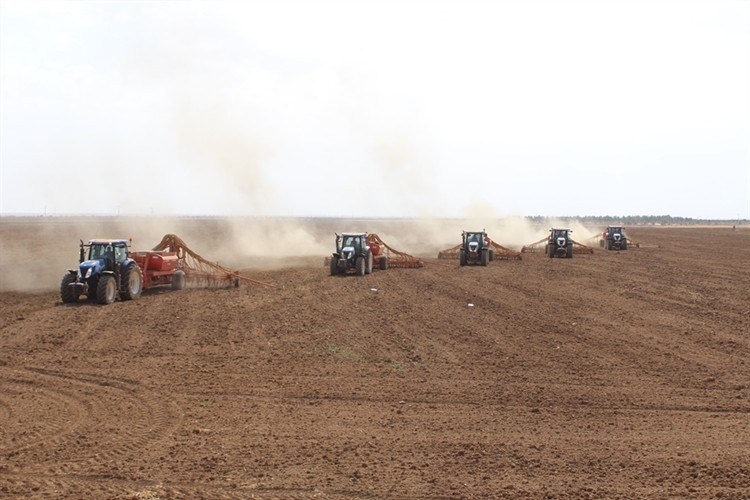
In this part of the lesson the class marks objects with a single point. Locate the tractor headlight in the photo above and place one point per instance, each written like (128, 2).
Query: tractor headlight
(88, 273)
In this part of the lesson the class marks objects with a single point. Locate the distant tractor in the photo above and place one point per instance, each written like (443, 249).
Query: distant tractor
(475, 248)
(108, 270)
(559, 243)
(354, 254)
(613, 238)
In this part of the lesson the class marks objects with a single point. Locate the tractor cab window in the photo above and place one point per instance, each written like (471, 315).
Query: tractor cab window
(97, 252)
(121, 253)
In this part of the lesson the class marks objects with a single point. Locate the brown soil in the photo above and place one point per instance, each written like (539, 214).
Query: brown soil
(617, 374)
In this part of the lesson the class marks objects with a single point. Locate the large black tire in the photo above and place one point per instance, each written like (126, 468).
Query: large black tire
(67, 293)
(178, 280)
(550, 249)
(132, 282)
(462, 257)
(106, 289)
(383, 263)
(625, 244)
(569, 252)
(608, 245)
(334, 266)
(485, 257)
(360, 266)
(492, 255)
(368, 269)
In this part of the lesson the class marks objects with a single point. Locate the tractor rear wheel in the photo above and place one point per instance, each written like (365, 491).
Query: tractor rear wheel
(334, 266)
(178, 280)
(550, 249)
(360, 265)
(462, 257)
(368, 269)
(132, 282)
(67, 292)
(106, 289)
(383, 262)
(625, 244)
(485, 257)
(492, 255)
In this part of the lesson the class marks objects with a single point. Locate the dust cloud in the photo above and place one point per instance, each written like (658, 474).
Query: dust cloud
(35, 252)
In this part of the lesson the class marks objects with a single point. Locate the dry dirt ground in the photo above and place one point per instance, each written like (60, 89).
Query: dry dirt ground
(617, 374)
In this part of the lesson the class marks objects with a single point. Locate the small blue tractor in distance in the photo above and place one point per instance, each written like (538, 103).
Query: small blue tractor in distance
(105, 272)
(353, 253)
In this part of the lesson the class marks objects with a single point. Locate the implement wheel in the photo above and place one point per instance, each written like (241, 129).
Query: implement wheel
(178, 280)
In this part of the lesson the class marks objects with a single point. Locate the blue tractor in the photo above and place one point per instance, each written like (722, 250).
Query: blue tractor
(105, 272)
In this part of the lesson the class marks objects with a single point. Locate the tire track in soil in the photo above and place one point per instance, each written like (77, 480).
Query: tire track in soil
(59, 424)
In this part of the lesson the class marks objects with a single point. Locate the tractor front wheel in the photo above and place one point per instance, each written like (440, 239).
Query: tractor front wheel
(368, 269)
(132, 282)
(569, 252)
(360, 265)
(67, 292)
(334, 266)
(462, 257)
(106, 289)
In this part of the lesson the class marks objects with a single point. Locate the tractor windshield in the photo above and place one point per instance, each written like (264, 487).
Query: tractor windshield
(352, 241)
(100, 251)
(474, 237)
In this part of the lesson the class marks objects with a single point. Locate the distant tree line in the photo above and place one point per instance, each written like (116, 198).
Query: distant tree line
(636, 220)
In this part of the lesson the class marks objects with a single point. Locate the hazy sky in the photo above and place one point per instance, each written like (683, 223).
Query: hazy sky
(369, 109)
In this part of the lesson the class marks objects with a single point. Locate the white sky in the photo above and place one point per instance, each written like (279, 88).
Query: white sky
(372, 109)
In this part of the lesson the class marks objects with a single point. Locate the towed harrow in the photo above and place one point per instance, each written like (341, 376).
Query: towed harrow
(395, 258)
(199, 271)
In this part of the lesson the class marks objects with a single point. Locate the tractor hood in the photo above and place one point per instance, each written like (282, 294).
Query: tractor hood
(560, 241)
(347, 251)
(90, 268)
(473, 246)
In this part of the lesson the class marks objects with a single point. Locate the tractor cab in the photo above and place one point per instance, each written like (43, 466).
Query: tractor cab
(102, 254)
(474, 240)
(350, 244)
(615, 233)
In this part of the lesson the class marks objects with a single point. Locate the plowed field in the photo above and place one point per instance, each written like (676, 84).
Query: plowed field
(617, 374)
